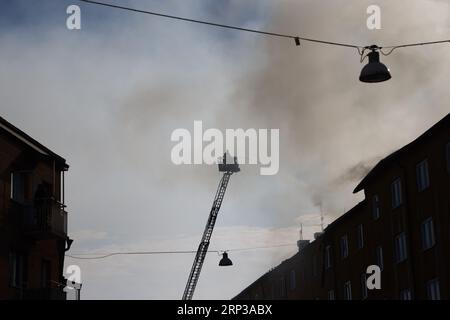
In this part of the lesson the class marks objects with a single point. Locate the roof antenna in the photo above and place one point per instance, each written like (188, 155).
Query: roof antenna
(301, 231)
(321, 217)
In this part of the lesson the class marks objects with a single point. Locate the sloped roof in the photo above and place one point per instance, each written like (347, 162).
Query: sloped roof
(384, 163)
(30, 142)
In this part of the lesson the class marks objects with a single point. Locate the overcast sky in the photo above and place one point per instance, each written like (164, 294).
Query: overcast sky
(107, 98)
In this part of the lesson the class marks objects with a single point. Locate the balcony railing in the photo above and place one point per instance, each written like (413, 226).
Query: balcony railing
(45, 218)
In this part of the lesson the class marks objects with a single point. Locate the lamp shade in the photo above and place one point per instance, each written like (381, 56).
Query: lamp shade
(225, 261)
(374, 70)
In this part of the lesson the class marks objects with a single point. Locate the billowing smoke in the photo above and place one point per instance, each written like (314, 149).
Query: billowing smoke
(334, 128)
(109, 96)
(355, 173)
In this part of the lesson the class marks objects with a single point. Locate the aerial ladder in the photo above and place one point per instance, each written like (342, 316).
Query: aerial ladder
(228, 170)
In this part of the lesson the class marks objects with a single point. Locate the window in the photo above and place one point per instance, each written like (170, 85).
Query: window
(328, 257)
(282, 287)
(16, 269)
(348, 290)
(344, 247)
(18, 186)
(423, 178)
(433, 290)
(376, 207)
(400, 247)
(396, 193)
(363, 286)
(427, 230)
(360, 236)
(331, 295)
(447, 156)
(405, 294)
(293, 281)
(379, 252)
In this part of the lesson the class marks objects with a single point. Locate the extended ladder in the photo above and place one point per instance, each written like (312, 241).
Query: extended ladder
(228, 170)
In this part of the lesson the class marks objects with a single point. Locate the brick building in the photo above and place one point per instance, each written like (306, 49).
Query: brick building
(402, 225)
(33, 218)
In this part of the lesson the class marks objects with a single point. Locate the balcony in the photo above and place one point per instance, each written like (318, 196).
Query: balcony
(44, 219)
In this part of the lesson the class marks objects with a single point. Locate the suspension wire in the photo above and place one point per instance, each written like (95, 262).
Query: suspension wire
(219, 25)
(83, 256)
(297, 39)
(415, 44)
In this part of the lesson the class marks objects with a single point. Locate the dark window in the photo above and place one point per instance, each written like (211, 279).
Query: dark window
(376, 207)
(433, 290)
(360, 236)
(344, 246)
(348, 290)
(423, 178)
(293, 280)
(380, 262)
(18, 186)
(363, 286)
(331, 295)
(405, 294)
(396, 193)
(328, 257)
(427, 231)
(16, 269)
(400, 247)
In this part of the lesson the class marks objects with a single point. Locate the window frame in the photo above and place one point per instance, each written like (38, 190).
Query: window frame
(16, 269)
(283, 287)
(331, 295)
(344, 246)
(431, 236)
(348, 290)
(364, 290)
(400, 247)
(405, 294)
(328, 257)
(292, 280)
(433, 284)
(396, 193)
(376, 207)
(379, 257)
(422, 175)
(360, 236)
(18, 180)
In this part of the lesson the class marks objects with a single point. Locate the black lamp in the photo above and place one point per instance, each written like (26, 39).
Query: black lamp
(374, 71)
(225, 261)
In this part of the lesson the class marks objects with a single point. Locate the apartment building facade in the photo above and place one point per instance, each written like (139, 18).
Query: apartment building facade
(33, 218)
(402, 226)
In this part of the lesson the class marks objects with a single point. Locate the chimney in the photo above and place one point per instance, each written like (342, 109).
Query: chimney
(317, 234)
(301, 244)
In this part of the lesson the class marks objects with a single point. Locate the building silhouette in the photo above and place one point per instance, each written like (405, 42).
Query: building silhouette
(33, 218)
(402, 226)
